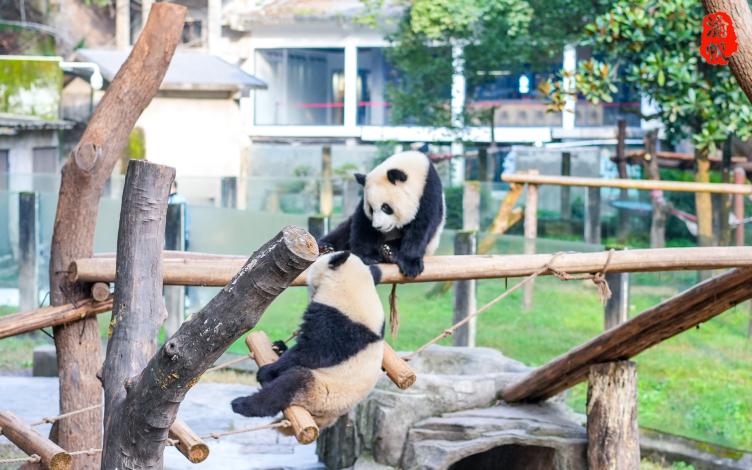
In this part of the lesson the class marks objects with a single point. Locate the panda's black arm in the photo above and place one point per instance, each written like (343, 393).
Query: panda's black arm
(338, 239)
(364, 239)
(288, 359)
(418, 233)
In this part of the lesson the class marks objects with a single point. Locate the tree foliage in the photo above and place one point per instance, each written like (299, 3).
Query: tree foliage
(653, 46)
(496, 35)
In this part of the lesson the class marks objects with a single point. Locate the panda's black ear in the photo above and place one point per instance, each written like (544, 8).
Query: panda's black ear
(338, 259)
(395, 175)
(360, 178)
(375, 272)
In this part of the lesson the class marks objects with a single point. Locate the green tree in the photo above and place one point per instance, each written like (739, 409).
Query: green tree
(495, 35)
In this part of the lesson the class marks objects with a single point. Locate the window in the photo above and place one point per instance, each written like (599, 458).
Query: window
(375, 74)
(192, 33)
(45, 160)
(305, 87)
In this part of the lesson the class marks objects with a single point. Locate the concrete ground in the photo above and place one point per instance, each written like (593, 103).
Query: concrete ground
(206, 410)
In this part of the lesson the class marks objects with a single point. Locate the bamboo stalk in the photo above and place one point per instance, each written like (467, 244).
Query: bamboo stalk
(24, 322)
(648, 185)
(445, 268)
(189, 443)
(304, 427)
(33, 443)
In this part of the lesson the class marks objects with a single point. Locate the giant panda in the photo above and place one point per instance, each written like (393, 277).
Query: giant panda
(337, 359)
(400, 218)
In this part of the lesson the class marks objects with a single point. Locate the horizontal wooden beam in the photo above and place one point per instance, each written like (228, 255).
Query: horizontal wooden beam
(189, 443)
(32, 320)
(677, 314)
(209, 272)
(646, 185)
(30, 441)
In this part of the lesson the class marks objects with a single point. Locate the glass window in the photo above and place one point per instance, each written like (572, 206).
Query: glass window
(305, 87)
(45, 160)
(512, 93)
(375, 74)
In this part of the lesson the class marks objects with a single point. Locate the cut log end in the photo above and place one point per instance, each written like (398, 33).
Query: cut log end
(61, 461)
(300, 242)
(198, 453)
(100, 291)
(397, 369)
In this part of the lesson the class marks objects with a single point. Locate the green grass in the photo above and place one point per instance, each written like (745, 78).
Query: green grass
(697, 384)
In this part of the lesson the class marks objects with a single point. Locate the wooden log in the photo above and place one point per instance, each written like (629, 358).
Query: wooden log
(138, 306)
(465, 302)
(613, 435)
(189, 443)
(33, 443)
(740, 177)
(397, 369)
(153, 397)
(304, 427)
(645, 185)
(703, 202)
(100, 291)
(28, 251)
(621, 164)
(45, 317)
(83, 179)
(451, 268)
(593, 217)
(677, 314)
(531, 235)
(658, 202)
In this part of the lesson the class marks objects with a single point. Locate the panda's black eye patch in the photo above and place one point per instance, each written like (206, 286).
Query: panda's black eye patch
(387, 209)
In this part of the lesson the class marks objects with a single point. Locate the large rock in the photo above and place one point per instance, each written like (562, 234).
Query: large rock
(429, 425)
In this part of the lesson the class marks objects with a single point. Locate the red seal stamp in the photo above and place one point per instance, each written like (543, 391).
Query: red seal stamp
(718, 38)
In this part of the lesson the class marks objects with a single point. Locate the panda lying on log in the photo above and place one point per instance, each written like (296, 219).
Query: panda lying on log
(337, 358)
(400, 218)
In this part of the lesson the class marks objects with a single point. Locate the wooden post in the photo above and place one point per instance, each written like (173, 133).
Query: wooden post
(593, 217)
(304, 427)
(83, 178)
(465, 303)
(397, 369)
(566, 192)
(703, 201)
(45, 317)
(229, 190)
(28, 250)
(483, 165)
(33, 443)
(471, 206)
(326, 195)
(318, 226)
(174, 240)
(617, 307)
(740, 177)
(138, 306)
(189, 443)
(613, 435)
(159, 388)
(621, 162)
(658, 202)
(531, 233)
(722, 201)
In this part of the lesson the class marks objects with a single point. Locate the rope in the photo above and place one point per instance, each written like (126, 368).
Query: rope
(34, 458)
(599, 279)
(85, 452)
(230, 363)
(279, 424)
(65, 415)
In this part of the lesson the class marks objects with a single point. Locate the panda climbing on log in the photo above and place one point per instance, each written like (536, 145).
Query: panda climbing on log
(400, 217)
(337, 358)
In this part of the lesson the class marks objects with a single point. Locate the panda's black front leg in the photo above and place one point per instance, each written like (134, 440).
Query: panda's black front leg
(365, 241)
(271, 371)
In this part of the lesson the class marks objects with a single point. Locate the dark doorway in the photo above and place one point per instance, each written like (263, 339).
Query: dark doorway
(510, 457)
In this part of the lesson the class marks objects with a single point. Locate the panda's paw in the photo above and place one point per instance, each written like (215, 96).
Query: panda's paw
(410, 267)
(265, 374)
(244, 406)
(325, 248)
(279, 347)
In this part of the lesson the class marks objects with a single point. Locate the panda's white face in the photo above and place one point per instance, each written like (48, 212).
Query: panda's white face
(393, 190)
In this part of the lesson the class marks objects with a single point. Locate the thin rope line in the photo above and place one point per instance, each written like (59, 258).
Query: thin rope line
(33, 458)
(217, 435)
(51, 420)
(230, 363)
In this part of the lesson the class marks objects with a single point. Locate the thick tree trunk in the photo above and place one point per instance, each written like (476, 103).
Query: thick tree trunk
(613, 435)
(140, 427)
(83, 178)
(741, 61)
(139, 309)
